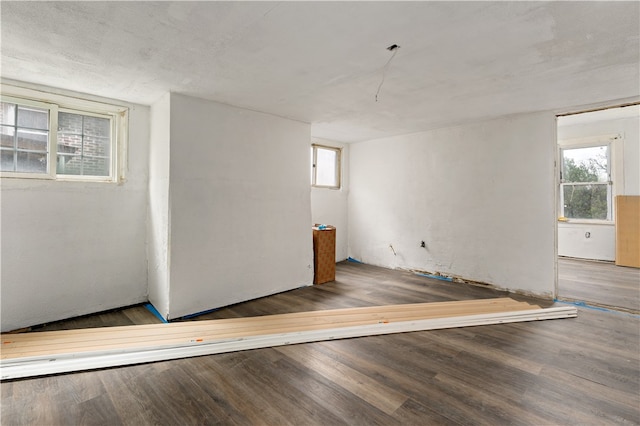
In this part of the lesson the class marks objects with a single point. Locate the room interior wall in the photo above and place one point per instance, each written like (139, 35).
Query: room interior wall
(329, 206)
(481, 197)
(73, 248)
(158, 213)
(596, 241)
(240, 208)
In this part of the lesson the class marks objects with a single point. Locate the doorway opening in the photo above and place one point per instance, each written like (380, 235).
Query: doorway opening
(598, 160)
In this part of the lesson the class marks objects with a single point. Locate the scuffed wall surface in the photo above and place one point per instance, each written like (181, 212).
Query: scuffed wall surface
(481, 196)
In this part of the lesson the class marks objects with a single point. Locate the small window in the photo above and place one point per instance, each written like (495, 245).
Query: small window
(59, 138)
(585, 183)
(325, 166)
(84, 145)
(25, 142)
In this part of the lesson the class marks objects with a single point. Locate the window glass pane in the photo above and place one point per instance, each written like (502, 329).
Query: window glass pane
(326, 167)
(29, 162)
(7, 137)
(32, 135)
(76, 165)
(585, 164)
(32, 140)
(585, 201)
(96, 166)
(69, 123)
(96, 126)
(84, 145)
(33, 118)
(69, 164)
(96, 146)
(69, 144)
(7, 113)
(6, 161)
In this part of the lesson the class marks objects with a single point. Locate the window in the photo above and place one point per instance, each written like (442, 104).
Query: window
(585, 182)
(24, 142)
(50, 136)
(325, 166)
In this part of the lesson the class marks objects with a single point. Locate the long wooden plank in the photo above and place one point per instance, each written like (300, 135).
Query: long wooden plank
(34, 366)
(318, 317)
(86, 340)
(68, 344)
(499, 318)
(467, 305)
(33, 354)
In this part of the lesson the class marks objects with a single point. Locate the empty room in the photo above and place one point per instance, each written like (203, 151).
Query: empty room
(319, 213)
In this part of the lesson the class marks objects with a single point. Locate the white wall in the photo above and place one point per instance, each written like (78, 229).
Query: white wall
(480, 195)
(72, 248)
(587, 240)
(600, 245)
(158, 223)
(329, 206)
(239, 205)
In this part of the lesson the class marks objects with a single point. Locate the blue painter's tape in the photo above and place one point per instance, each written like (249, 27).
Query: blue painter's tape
(351, 259)
(585, 305)
(197, 314)
(437, 277)
(155, 312)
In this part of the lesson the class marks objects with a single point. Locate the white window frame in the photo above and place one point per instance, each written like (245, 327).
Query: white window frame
(612, 174)
(55, 103)
(338, 166)
(51, 142)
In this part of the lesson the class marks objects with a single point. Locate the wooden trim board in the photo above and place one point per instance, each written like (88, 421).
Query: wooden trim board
(87, 340)
(628, 230)
(41, 353)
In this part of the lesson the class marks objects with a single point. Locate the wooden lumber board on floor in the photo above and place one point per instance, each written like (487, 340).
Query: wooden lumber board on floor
(89, 340)
(33, 354)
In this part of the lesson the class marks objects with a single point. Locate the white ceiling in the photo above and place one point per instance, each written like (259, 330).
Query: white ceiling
(630, 111)
(322, 62)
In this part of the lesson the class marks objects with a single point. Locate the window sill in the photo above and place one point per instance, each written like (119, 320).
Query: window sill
(587, 222)
(58, 178)
(335, 188)
(29, 176)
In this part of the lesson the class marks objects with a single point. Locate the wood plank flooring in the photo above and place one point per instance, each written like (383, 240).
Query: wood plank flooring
(584, 370)
(600, 283)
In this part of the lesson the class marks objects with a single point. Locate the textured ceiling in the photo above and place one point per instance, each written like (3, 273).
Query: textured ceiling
(322, 62)
(630, 111)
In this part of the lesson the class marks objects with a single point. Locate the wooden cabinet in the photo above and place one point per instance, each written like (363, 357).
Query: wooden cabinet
(628, 230)
(324, 254)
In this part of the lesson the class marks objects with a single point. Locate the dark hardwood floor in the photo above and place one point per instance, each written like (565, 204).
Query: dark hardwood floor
(584, 370)
(599, 283)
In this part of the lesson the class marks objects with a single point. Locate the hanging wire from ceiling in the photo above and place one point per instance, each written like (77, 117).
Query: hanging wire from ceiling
(393, 48)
